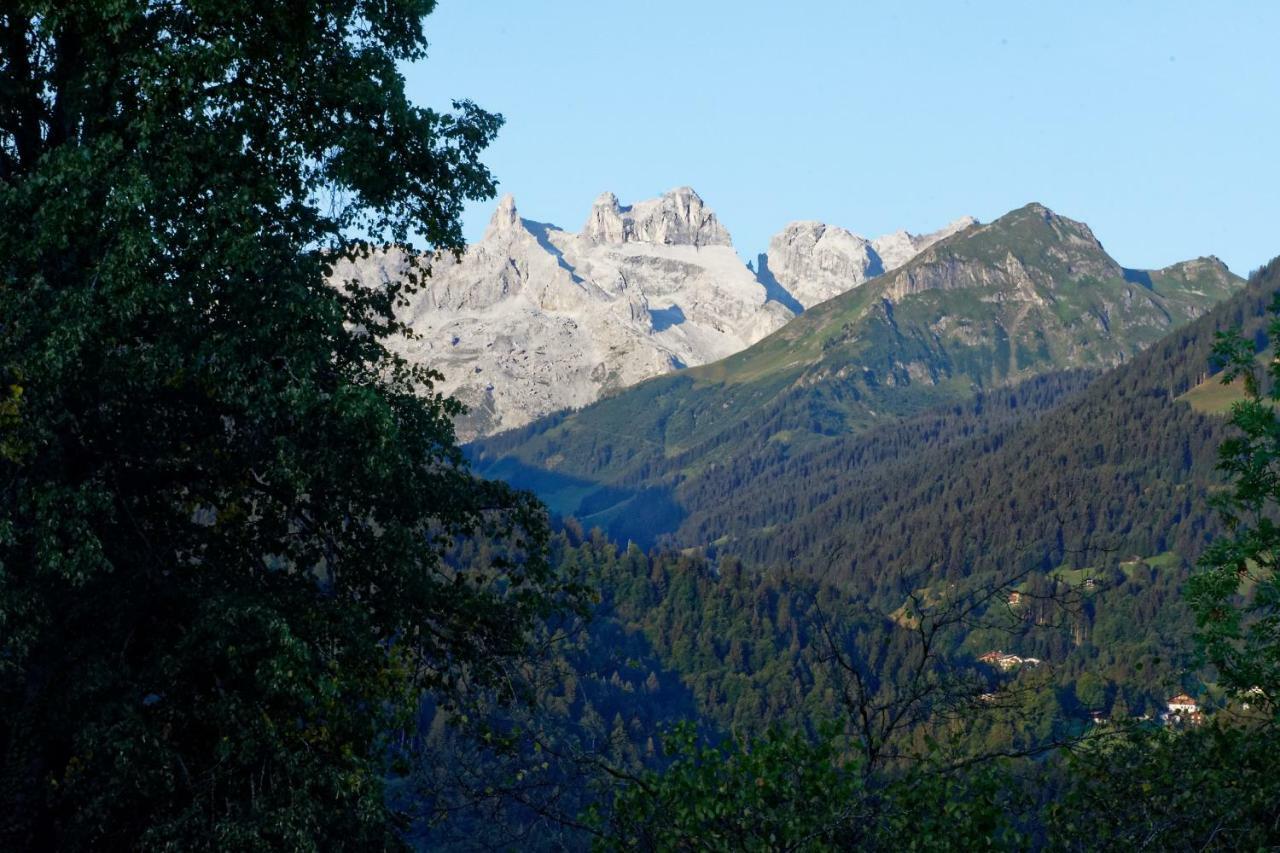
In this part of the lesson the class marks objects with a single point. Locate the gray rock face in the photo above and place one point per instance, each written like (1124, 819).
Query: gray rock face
(677, 218)
(815, 262)
(533, 319)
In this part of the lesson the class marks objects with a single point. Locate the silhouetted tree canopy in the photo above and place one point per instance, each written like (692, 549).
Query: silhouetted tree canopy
(223, 501)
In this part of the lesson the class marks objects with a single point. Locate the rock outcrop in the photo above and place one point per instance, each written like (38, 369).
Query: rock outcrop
(677, 218)
(815, 262)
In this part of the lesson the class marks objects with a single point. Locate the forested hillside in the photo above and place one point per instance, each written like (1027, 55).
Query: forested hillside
(1117, 468)
(1056, 521)
(678, 638)
(1062, 483)
(1029, 294)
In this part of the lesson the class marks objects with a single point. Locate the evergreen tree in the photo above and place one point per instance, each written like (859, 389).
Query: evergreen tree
(1236, 590)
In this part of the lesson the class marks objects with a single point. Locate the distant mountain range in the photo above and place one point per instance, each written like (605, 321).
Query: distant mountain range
(986, 307)
(533, 319)
(813, 261)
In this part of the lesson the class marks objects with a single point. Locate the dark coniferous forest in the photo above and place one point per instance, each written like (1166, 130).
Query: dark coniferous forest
(918, 569)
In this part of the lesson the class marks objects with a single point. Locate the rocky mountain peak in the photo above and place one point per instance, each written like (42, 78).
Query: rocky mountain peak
(955, 227)
(814, 261)
(1030, 254)
(1035, 227)
(677, 218)
(532, 318)
(604, 223)
(901, 246)
(505, 219)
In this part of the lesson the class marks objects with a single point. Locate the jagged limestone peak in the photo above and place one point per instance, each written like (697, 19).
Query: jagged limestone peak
(505, 219)
(678, 217)
(814, 261)
(604, 223)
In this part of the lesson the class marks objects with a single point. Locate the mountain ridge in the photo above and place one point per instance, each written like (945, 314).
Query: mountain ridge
(534, 318)
(991, 305)
(814, 261)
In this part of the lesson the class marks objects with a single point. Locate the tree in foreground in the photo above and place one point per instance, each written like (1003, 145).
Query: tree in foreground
(223, 500)
(1236, 593)
(1212, 787)
(790, 791)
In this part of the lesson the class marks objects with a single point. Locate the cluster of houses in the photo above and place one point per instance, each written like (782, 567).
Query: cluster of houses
(1183, 709)
(1006, 662)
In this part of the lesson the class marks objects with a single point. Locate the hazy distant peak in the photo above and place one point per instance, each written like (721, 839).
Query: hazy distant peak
(897, 248)
(955, 227)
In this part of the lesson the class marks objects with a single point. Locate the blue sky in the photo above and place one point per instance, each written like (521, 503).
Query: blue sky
(1156, 123)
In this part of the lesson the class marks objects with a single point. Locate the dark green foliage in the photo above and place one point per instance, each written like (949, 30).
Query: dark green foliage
(779, 792)
(1104, 477)
(1126, 785)
(1213, 788)
(1204, 789)
(238, 544)
(222, 501)
(754, 649)
(1236, 593)
(1114, 467)
(1040, 472)
(786, 791)
(1083, 493)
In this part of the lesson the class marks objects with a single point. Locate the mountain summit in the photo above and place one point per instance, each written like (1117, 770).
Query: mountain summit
(533, 318)
(814, 261)
(677, 218)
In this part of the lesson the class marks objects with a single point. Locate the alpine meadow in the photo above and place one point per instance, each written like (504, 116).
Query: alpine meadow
(342, 506)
